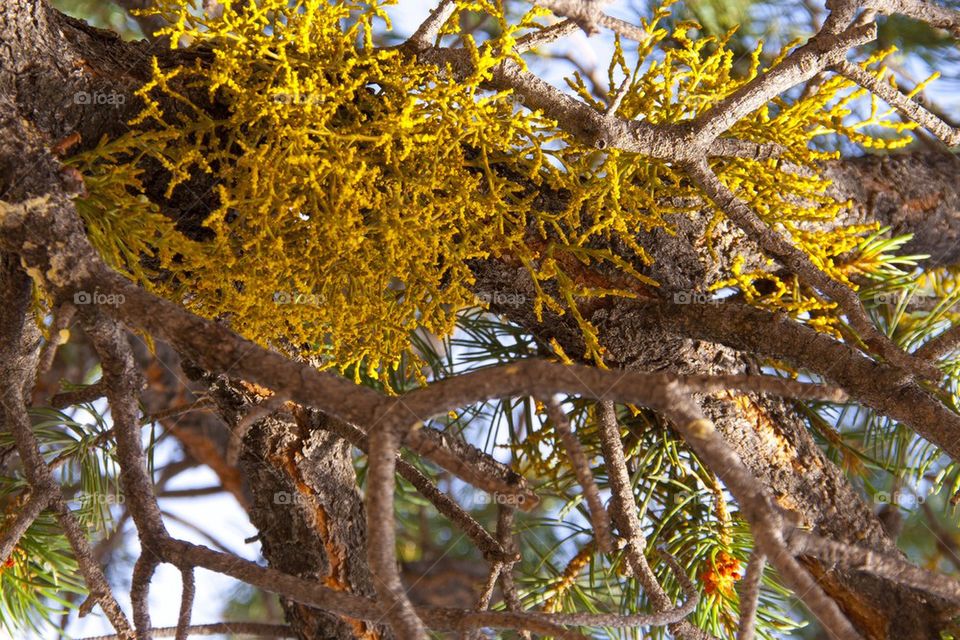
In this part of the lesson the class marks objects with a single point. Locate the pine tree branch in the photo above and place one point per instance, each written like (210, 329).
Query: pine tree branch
(186, 603)
(933, 14)
(16, 329)
(427, 32)
(800, 264)
(868, 560)
(749, 590)
(581, 467)
(446, 506)
(143, 570)
(907, 106)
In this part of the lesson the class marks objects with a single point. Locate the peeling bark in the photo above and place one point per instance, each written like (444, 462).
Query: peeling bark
(306, 506)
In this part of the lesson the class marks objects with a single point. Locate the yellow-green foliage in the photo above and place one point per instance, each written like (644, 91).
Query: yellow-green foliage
(355, 183)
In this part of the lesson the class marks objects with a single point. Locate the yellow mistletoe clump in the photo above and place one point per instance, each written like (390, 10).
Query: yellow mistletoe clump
(351, 184)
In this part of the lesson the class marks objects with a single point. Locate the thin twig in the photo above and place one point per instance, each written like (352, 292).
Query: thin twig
(800, 264)
(186, 603)
(581, 467)
(749, 590)
(445, 505)
(143, 571)
(38, 500)
(425, 35)
(907, 106)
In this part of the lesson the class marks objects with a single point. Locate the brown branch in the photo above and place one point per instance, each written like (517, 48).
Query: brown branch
(446, 506)
(381, 535)
(186, 603)
(907, 106)
(425, 35)
(933, 14)
(581, 467)
(623, 506)
(123, 382)
(863, 559)
(505, 520)
(258, 629)
(800, 264)
(486, 595)
(38, 500)
(143, 571)
(801, 65)
(749, 590)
